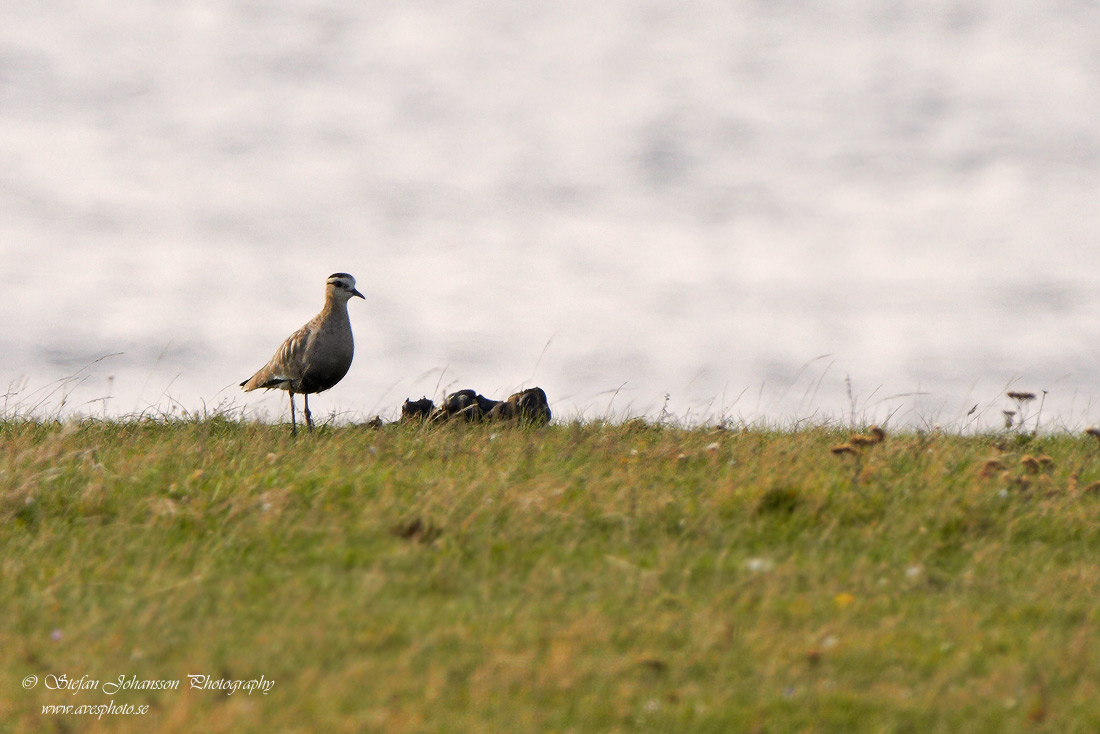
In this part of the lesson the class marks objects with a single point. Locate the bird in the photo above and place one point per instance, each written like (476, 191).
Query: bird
(316, 356)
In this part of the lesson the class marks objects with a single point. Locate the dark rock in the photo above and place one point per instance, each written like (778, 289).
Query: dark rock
(528, 407)
(465, 404)
(417, 409)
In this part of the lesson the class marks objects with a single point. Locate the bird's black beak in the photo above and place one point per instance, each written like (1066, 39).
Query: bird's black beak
(355, 292)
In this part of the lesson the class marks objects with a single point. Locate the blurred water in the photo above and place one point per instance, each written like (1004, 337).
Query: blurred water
(616, 201)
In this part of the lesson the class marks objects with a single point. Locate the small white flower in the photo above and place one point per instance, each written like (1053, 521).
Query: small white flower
(758, 565)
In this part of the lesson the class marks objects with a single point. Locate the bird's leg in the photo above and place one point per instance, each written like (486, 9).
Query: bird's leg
(293, 425)
(309, 418)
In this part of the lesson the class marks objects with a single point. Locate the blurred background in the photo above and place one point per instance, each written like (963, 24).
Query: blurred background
(763, 210)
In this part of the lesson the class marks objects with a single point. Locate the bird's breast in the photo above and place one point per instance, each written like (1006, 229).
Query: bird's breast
(326, 366)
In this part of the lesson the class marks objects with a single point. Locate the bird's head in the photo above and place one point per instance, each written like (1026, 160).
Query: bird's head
(342, 286)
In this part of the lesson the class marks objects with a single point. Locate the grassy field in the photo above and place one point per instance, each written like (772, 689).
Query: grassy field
(576, 578)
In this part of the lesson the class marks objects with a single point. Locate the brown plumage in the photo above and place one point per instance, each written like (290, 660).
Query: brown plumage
(316, 356)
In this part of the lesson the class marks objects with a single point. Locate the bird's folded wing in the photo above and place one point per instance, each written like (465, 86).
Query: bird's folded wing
(288, 364)
(292, 354)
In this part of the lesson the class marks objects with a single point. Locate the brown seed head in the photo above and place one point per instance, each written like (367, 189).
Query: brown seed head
(1030, 464)
(655, 664)
(1022, 397)
(990, 468)
(874, 435)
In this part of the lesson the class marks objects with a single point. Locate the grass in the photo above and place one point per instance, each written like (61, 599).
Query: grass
(578, 578)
